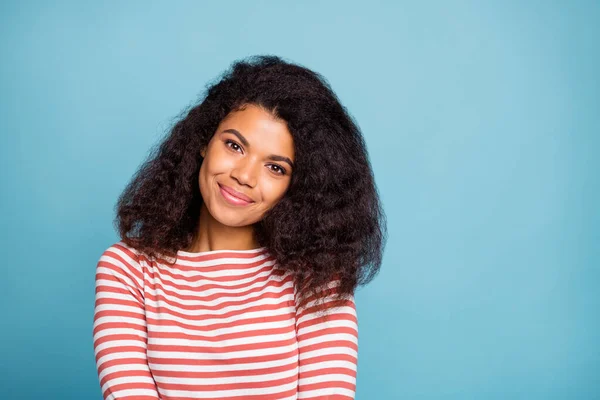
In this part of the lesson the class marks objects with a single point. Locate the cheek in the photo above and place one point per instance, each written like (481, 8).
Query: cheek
(202, 175)
(211, 165)
(273, 191)
(203, 183)
(218, 162)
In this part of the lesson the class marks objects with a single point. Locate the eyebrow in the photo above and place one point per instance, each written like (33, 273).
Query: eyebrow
(242, 139)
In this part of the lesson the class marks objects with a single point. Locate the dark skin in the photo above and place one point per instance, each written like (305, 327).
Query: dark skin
(251, 153)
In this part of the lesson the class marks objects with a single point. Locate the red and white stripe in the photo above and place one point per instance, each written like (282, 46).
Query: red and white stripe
(216, 325)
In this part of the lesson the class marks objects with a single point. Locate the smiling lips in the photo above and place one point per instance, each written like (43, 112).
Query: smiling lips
(234, 197)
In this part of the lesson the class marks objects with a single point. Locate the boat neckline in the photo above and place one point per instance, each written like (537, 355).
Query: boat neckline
(209, 252)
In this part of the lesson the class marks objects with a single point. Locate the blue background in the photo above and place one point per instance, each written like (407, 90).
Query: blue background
(482, 120)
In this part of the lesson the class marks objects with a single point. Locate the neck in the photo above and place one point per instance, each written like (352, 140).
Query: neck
(213, 235)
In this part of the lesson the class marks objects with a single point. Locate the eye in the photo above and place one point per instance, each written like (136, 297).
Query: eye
(277, 169)
(232, 145)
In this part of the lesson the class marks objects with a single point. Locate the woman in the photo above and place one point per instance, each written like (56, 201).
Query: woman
(243, 239)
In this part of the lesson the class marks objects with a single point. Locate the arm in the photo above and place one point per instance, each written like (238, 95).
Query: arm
(120, 336)
(328, 350)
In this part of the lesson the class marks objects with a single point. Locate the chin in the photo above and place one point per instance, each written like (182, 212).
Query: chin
(233, 219)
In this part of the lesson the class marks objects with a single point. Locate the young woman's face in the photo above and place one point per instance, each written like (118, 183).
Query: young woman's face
(247, 166)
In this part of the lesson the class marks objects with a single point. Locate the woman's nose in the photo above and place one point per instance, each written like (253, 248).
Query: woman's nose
(246, 171)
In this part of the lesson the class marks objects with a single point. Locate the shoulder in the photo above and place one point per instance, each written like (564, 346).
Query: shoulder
(121, 257)
(119, 273)
(121, 249)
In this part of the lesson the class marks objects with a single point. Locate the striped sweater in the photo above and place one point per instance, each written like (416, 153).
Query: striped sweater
(221, 324)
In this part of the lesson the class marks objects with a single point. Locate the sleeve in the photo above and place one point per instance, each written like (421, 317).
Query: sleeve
(328, 350)
(120, 334)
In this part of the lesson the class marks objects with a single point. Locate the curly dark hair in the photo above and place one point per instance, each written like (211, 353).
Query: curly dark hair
(329, 225)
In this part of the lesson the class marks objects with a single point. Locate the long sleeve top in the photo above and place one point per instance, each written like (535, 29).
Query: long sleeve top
(221, 324)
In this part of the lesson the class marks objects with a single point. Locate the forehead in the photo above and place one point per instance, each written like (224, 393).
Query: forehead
(261, 129)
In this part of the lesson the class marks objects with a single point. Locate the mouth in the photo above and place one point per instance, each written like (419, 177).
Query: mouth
(234, 197)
